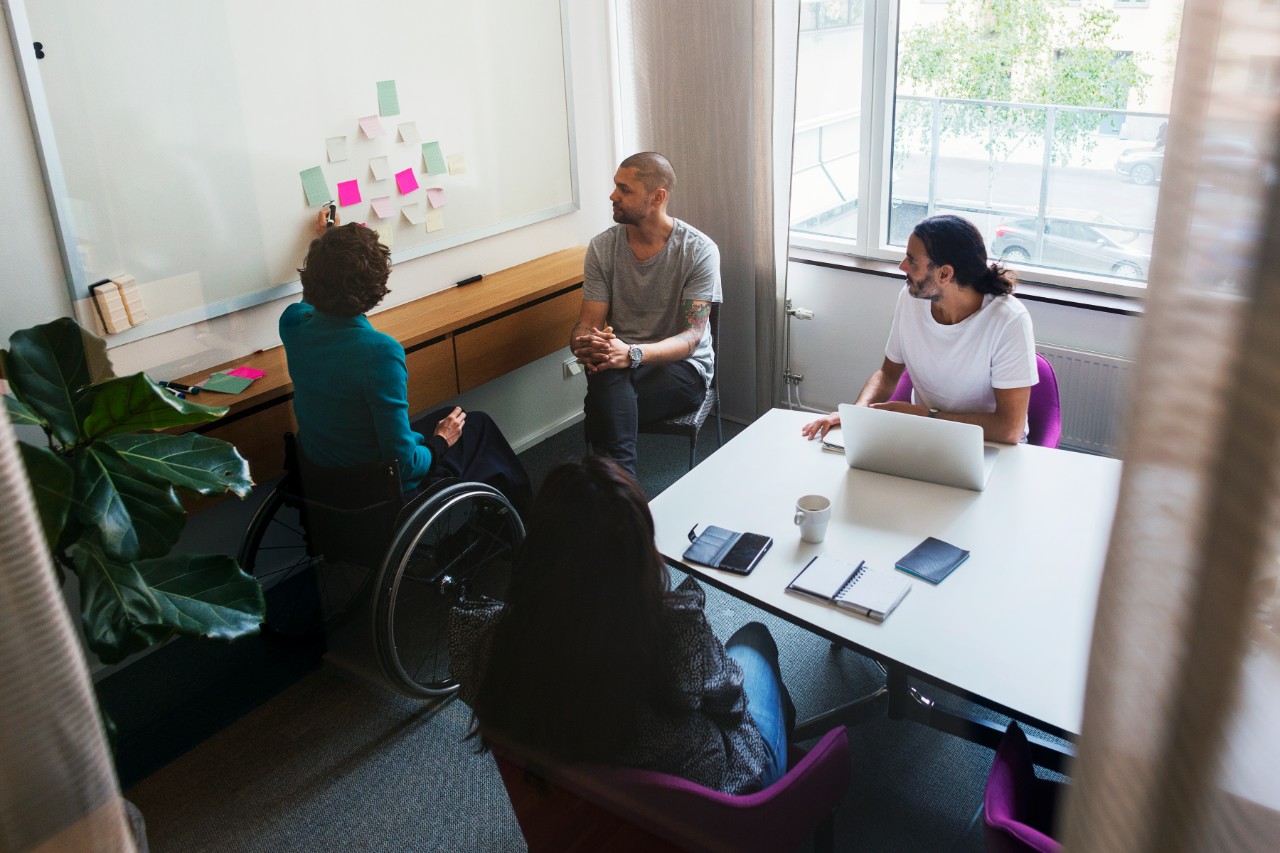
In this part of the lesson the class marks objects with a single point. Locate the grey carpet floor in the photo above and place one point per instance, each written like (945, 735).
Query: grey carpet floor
(335, 762)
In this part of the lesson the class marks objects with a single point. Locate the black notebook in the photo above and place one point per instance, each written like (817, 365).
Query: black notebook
(725, 549)
(859, 588)
(932, 560)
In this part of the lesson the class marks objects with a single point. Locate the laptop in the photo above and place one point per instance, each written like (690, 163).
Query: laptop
(929, 449)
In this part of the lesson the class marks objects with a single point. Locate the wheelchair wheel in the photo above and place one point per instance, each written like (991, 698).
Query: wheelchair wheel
(304, 593)
(458, 544)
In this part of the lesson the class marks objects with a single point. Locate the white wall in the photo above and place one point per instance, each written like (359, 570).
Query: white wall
(526, 404)
(843, 344)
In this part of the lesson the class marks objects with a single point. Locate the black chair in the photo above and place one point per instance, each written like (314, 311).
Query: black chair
(327, 541)
(690, 423)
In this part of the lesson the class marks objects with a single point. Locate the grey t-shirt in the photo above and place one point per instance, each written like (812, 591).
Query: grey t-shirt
(644, 296)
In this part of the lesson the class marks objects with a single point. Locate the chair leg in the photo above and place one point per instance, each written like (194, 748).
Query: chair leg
(824, 836)
(719, 430)
(693, 450)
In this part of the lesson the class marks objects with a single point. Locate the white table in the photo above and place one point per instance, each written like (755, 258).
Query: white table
(1009, 629)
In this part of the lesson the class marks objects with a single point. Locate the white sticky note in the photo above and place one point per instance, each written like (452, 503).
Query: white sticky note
(379, 168)
(382, 207)
(372, 127)
(414, 213)
(435, 220)
(409, 133)
(457, 164)
(436, 196)
(386, 234)
(336, 146)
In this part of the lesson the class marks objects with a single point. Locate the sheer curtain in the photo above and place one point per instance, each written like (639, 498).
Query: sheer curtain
(711, 85)
(58, 788)
(1181, 739)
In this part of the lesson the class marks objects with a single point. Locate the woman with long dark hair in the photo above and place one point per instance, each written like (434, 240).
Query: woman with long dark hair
(594, 658)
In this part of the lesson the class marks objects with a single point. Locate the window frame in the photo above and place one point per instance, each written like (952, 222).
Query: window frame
(880, 38)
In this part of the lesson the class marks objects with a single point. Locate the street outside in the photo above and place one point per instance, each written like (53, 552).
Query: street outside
(1014, 186)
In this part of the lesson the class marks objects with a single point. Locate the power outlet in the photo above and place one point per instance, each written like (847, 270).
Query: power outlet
(571, 368)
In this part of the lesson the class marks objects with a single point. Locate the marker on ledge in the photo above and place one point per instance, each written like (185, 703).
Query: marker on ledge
(471, 280)
(179, 387)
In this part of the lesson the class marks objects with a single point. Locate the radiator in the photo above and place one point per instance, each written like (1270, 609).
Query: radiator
(1093, 390)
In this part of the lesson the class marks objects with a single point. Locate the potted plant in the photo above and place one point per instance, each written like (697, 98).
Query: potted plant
(104, 484)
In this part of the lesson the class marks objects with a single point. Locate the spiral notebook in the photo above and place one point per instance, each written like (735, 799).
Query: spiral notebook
(859, 588)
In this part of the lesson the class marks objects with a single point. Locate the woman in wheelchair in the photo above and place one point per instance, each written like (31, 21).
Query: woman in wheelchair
(350, 382)
(595, 658)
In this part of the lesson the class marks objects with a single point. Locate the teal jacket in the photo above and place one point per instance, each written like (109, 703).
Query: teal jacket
(350, 393)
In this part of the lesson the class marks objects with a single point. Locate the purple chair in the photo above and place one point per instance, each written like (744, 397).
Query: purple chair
(593, 807)
(1018, 807)
(1044, 411)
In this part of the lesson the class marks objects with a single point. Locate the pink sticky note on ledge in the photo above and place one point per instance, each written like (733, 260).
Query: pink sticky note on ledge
(348, 193)
(406, 181)
(250, 372)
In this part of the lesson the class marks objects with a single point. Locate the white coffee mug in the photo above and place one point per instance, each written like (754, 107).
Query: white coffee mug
(813, 512)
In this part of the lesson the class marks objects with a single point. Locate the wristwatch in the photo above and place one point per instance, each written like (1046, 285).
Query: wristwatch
(637, 356)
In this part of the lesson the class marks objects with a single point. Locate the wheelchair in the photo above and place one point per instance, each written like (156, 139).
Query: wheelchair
(328, 541)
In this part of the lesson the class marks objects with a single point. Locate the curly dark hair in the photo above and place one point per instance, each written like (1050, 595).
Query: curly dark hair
(956, 241)
(346, 270)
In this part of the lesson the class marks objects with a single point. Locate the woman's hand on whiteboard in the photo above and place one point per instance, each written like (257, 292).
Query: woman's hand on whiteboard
(322, 220)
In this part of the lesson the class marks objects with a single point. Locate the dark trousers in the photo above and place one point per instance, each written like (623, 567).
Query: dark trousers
(481, 454)
(619, 400)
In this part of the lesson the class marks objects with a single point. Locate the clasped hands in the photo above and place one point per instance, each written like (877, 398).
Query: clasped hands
(601, 349)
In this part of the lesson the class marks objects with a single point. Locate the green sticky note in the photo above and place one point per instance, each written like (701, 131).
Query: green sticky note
(314, 186)
(388, 101)
(434, 158)
(226, 384)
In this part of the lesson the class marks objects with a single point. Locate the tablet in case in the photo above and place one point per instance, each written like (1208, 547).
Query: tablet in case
(726, 549)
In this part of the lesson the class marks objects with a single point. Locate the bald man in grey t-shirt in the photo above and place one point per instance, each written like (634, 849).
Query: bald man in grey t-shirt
(642, 332)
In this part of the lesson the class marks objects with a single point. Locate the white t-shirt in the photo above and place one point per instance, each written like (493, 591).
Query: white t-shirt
(955, 368)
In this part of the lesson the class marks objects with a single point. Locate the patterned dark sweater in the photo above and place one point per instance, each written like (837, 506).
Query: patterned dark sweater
(711, 738)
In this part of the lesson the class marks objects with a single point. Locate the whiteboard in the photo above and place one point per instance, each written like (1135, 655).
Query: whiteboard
(173, 134)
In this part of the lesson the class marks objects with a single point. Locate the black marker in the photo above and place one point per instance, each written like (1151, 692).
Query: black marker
(178, 386)
(471, 280)
(332, 211)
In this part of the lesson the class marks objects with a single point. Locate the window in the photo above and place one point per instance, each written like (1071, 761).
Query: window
(1042, 121)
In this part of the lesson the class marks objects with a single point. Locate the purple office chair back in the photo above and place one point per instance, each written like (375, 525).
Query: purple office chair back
(1044, 411)
(1018, 807)
(622, 809)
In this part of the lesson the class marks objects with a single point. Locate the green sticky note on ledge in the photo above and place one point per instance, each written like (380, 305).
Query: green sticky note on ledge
(225, 384)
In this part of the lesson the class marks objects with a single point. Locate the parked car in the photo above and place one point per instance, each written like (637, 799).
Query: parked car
(1145, 164)
(1076, 240)
(1141, 165)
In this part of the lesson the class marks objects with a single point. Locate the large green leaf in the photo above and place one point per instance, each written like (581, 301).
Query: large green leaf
(135, 514)
(131, 403)
(206, 595)
(51, 481)
(46, 367)
(193, 461)
(21, 413)
(119, 611)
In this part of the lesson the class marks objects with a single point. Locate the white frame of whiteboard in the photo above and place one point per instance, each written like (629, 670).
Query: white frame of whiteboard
(59, 201)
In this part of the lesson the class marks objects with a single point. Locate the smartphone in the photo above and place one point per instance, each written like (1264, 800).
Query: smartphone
(746, 553)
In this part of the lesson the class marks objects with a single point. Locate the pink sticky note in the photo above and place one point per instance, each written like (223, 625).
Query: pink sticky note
(406, 181)
(372, 127)
(382, 206)
(348, 193)
(435, 195)
(250, 372)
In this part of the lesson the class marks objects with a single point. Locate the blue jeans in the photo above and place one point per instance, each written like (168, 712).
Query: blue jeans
(754, 650)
